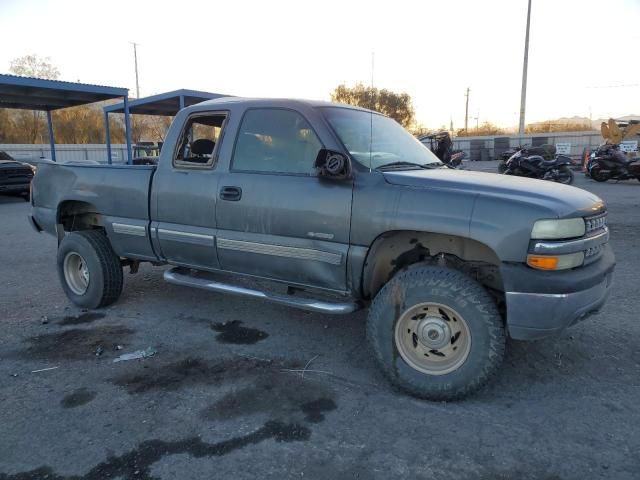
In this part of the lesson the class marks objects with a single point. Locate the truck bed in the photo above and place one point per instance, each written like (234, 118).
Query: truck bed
(120, 193)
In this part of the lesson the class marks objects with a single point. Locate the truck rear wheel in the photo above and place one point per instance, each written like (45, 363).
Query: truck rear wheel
(89, 270)
(436, 333)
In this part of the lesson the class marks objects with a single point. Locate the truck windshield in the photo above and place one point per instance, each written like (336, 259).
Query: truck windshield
(375, 140)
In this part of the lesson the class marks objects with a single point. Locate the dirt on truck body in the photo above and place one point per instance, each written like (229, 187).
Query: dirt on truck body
(346, 210)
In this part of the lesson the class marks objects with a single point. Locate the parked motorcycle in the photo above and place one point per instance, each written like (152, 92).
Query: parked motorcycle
(547, 152)
(441, 145)
(526, 164)
(609, 163)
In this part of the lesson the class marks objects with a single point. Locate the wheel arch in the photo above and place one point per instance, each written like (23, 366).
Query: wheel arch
(73, 215)
(394, 250)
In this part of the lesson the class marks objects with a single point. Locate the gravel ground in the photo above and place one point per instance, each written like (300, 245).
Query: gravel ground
(225, 396)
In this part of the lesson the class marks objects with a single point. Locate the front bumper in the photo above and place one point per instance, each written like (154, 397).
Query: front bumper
(539, 305)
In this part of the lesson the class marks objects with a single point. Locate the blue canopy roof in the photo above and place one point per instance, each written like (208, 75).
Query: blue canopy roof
(38, 94)
(28, 93)
(165, 104)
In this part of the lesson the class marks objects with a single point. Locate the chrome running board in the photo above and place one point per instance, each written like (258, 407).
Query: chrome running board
(178, 276)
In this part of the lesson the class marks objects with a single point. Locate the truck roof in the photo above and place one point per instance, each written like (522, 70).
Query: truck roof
(274, 102)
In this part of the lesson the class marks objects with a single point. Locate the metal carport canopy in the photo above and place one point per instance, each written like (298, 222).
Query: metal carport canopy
(29, 93)
(166, 104)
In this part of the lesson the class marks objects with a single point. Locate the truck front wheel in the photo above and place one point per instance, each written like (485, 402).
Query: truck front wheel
(89, 270)
(436, 332)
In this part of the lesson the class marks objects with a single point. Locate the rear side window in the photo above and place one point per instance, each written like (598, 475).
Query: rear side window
(198, 142)
(275, 141)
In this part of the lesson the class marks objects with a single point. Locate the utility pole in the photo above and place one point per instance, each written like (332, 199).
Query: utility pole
(466, 112)
(135, 59)
(523, 95)
(371, 102)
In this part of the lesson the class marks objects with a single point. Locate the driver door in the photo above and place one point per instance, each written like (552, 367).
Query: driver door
(275, 217)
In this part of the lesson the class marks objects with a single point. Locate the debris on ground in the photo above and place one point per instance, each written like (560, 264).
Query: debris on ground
(44, 319)
(44, 369)
(149, 352)
(99, 351)
(118, 347)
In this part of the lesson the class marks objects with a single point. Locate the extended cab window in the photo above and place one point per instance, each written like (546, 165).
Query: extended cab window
(275, 141)
(197, 143)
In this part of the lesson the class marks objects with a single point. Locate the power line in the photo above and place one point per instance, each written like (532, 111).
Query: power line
(615, 86)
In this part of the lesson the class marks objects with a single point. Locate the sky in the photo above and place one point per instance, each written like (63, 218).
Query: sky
(582, 55)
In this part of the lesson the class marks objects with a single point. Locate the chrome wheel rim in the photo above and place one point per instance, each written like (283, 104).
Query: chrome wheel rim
(433, 338)
(76, 273)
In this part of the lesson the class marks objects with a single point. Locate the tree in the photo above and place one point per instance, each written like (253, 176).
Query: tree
(395, 105)
(558, 126)
(34, 66)
(6, 126)
(30, 121)
(485, 129)
(81, 124)
(158, 128)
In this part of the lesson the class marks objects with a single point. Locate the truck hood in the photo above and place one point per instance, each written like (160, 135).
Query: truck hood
(564, 200)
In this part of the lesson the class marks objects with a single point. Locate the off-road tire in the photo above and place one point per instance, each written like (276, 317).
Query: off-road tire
(421, 283)
(105, 270)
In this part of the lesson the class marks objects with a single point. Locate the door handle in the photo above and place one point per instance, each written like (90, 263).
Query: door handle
(232, 194)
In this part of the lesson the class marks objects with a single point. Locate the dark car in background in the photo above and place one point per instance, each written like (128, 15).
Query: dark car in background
(15, 177)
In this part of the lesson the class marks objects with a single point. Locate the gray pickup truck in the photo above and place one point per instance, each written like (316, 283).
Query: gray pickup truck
(333, 208)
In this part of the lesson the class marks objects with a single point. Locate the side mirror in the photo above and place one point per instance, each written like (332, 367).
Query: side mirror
(332, 165)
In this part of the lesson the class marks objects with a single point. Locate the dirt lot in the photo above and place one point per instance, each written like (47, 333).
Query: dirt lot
(224, 397)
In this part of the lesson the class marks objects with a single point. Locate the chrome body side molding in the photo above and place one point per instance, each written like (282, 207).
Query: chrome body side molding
(127, 229)
(188, 237)
(280, 251)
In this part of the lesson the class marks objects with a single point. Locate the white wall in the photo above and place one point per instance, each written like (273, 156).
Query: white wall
(578, 141)
(67, 153)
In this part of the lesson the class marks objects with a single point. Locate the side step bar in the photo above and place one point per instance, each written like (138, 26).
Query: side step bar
(177, 276)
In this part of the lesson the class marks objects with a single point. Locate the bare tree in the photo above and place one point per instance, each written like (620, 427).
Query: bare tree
(34, 66)
(158, 127)
(396, 105)
(31, 122)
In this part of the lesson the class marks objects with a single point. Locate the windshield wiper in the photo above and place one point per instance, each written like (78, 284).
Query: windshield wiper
(399, 165)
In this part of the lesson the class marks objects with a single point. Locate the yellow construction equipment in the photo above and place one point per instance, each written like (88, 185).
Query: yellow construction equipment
(614, 133)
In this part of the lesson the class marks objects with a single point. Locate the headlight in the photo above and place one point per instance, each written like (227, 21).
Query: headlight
(556, 262)
(558, 229)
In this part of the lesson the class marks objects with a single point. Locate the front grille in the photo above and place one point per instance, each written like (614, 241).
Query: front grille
(596, 222)
(594, 225)
(15, 171)
(16, 175)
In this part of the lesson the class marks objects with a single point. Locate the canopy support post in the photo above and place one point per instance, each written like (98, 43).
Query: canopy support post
(107, 136)
(52, 141)
(127, 127)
